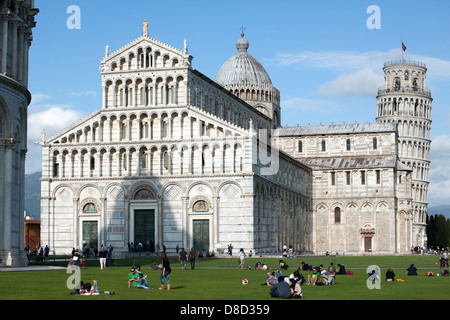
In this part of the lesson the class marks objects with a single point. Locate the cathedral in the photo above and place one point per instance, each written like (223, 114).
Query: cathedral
(174, 158)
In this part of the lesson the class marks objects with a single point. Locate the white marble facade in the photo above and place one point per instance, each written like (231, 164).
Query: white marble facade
(17, 22)
(183, 157)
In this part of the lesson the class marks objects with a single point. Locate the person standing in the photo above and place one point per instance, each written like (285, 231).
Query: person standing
(241, 258)
(182, 257)
(165, 271)
(102, 255)
(192, 257)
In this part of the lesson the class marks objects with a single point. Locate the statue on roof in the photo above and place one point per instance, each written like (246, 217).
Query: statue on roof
(145, 28)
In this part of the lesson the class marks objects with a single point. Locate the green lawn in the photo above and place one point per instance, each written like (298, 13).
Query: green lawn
(220, 279)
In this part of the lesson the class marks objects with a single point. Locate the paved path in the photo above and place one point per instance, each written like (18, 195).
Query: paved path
(30, 268)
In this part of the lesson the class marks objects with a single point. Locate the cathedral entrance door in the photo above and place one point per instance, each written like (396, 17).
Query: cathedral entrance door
(90, 234)
(144, 227)
(201, 234)
(367, 244)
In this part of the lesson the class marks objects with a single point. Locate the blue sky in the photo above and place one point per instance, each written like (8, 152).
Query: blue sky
(321, 55)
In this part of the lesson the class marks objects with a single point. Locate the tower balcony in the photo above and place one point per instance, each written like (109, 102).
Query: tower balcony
(407, 89)
(404, 62)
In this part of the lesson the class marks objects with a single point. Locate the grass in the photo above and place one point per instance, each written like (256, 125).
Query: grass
(220, 279)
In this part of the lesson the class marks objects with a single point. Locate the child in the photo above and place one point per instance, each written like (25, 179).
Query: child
(82, 264)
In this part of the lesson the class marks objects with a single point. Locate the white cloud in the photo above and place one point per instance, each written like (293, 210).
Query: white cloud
(337, 60)
(439, 189)
(354, 61)
(86, 93)
(53, 119)
(357, 66)
(362, 82)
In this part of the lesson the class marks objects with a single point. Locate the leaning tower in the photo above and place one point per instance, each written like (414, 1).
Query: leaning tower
(405, 100)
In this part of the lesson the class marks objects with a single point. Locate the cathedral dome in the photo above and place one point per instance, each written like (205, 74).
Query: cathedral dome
(242, 69)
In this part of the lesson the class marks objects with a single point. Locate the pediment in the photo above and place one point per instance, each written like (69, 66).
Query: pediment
(169, 55)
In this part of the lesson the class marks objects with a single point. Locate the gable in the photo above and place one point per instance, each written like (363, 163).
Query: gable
(143, 53)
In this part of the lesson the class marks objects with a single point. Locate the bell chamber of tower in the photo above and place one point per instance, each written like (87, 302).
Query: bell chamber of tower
(406, 101)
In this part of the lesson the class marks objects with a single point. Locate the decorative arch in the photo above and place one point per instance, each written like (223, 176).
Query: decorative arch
(89, 206)
(144, 192)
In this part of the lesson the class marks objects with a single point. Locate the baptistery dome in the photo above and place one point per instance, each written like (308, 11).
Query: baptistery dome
(242, 69)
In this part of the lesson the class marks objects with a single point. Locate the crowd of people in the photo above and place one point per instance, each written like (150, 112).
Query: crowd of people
(281, 285)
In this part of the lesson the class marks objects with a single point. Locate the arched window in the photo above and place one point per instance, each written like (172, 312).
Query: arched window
(165, 129)
(166, 160)
(92, 163)
(397, 84)
(123, 131)
(144, 160)
(337, 215)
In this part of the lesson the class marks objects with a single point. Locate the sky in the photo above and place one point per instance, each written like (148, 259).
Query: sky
(326, 57)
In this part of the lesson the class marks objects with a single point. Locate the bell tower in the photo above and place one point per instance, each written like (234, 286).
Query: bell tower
(405, 100)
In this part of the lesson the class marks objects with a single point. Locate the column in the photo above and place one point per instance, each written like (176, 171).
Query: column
(185, 232)
(109, 164)
(138, 162)
(114, 87)
(128, 162)
(8, 182)
(99, 163)
(110, 130)
(21, 54)
(75, 222)
(4, 61)
(25, 58)
(215, 231)
(80, 164)
(72, 165)
(14, 50)
(103, 222)
(158, 154)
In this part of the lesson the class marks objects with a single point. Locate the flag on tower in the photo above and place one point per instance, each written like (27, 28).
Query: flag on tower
(403, 46)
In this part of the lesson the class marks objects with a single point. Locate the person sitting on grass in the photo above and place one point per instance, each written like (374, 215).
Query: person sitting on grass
(298, 277)
(341, 269)
(314, 278)
(390, 275)
(412, 270)
(329, 276)
(271, 279)
(280, 289)
(296, 289)
(140, 283)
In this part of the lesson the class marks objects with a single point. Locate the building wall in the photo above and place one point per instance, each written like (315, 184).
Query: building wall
(357, 186)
